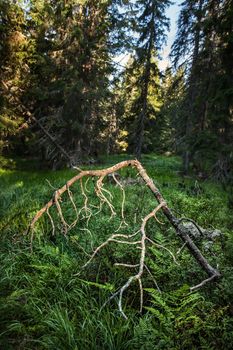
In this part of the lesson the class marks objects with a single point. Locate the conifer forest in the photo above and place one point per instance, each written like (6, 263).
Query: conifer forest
(116, 174)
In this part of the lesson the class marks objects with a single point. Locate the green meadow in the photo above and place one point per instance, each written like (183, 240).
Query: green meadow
(49, 301)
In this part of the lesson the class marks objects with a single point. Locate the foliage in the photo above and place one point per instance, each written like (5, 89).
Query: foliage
(180, 320)
(44, 306)
(14, 72)
(203, 40)
(143, 72)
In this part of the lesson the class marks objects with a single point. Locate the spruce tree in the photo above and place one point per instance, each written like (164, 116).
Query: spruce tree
(186, 50)
(14, 73)
(168, 122)
(70, 73)
(151, 25)
(206, 109)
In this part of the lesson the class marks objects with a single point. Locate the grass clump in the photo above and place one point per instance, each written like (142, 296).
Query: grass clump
(43, 305)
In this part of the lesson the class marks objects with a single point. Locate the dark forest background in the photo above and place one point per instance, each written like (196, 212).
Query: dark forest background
(64, 99)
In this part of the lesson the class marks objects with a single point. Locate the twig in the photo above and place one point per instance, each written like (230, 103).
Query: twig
(126, 265)
(181, 248)
(165, 248)
(153, 279)
(198, 286)
(85, 207)
(86, 185)
(52, 222)
(193, 222)
(123, 222)
(74, 206)
(103, 198)
(50, 184)
(56, 199)
(141, 294)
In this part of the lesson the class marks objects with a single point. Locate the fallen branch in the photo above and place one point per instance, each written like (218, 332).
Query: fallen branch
(105, 197)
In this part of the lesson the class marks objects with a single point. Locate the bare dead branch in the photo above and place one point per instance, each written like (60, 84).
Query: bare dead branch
(74, 206)
(200, 285)
(126, 265)
(181, 248)
(153, 279)
(105, 197)
(123, 222)
(65, 225)
(52, 222)
(141, 264)
(165, 248)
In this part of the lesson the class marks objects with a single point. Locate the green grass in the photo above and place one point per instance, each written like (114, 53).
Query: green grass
(43, 305)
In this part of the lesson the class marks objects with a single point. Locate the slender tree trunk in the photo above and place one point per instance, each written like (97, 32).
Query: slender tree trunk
(142, 117)
(141, 126)
(192, 93)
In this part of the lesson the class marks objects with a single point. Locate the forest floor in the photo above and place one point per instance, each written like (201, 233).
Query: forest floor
(44, 304)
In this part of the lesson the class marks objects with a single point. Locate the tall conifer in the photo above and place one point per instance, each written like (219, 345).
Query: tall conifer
(151, 26)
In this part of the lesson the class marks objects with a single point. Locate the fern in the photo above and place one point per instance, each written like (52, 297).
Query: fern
(147, 336)
(177, 313)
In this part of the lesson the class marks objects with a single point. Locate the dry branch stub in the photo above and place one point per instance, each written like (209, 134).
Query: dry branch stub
(105, 197)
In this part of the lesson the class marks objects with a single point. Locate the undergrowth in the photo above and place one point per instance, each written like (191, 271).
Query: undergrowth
(45, 305)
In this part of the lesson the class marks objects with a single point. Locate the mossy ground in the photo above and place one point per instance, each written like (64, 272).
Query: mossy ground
(44, 306)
